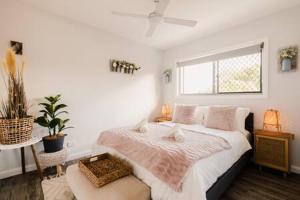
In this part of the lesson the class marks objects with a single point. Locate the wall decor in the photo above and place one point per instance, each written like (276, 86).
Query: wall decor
(17, 47)
(288, 59)
(123, 66)
(167, 75)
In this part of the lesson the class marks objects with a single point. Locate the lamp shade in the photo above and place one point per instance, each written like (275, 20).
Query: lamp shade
(166, 111)
(272, 119)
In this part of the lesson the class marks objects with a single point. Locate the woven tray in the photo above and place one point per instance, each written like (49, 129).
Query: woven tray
(104, 168)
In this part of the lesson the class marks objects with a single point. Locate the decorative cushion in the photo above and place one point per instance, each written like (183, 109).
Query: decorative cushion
(221, 118)
(185, 114)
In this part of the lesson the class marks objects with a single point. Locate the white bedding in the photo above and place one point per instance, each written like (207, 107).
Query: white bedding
(202, 175)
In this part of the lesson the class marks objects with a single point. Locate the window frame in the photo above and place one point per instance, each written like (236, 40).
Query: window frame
(263, 93)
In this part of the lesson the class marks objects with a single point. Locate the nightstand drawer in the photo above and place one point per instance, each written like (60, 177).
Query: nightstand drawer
(272, 152)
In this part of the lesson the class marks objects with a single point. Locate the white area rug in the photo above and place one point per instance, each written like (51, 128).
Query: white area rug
(57, 189)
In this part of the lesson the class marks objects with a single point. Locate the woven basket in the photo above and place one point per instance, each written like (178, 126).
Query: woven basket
(14, 131)
(103, 169)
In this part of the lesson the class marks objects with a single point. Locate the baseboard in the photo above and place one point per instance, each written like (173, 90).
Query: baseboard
(295, 169)
(77, 155)
(16, 171)
(32, 167)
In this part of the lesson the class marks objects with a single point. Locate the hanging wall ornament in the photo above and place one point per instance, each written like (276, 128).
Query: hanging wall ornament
(123, 67)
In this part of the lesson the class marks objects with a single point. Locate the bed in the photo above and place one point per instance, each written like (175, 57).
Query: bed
(224, 181)
(208, 178)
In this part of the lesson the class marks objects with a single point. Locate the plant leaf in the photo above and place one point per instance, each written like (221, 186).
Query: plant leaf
(50, 99)
(60, 106)
(42, 121)
(45, 112)
(67, 128)
(54, 122)
(44, 104)
(66, 120)
(61, 113)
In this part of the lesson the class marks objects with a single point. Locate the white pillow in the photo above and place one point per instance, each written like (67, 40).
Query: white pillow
(201, 113)
(240, 117)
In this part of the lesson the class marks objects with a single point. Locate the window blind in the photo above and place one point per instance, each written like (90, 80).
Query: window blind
(221, 56)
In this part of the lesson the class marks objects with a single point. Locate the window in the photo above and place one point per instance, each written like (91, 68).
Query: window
(238, 71)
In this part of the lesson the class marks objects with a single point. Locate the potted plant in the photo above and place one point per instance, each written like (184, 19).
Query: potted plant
(52, 109)
(286, 56)
(15, 123)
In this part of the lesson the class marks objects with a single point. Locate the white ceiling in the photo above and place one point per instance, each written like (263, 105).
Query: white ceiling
(212, 16)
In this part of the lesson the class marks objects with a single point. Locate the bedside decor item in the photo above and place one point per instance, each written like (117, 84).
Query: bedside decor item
(288, 59)
(167, 76)
(162, 119)
(15, 123)
(272, 149)
(123, 66)
(55, 140)
(166, 112)
(104, 168)
(17, 47)
(272, 120)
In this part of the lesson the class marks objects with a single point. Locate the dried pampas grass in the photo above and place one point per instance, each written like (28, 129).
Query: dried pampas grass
(15, 106)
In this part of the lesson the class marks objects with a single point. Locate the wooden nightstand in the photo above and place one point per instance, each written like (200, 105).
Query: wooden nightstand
(272, 149)
(162, 119)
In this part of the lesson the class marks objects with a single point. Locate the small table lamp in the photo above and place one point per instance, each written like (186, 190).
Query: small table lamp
(272, 119)
(166, 111)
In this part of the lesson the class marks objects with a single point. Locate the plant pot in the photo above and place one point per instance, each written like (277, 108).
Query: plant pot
(286, 64)
(54, 143)
(15, 131)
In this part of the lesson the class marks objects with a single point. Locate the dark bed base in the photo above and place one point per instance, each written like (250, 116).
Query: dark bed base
(224, 181)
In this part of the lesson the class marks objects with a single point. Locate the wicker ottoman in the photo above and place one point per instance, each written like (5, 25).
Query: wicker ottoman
(53, 159)
(127, 188)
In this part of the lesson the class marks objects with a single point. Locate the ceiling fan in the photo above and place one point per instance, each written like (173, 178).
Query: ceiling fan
(157, 16)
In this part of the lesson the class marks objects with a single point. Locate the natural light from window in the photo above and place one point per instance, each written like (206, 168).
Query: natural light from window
(197, 79)
(238, 71)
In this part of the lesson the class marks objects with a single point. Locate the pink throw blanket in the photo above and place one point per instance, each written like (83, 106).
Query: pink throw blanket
(165, 158)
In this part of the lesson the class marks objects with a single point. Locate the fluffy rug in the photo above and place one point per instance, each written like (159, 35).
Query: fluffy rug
(57, 189)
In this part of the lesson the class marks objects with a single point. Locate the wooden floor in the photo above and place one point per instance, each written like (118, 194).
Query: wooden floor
(267, 184)
(252, 184)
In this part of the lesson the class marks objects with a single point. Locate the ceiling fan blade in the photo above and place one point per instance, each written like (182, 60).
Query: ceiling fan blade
(161, 6)
(129, 14)
(151, 29)
(182, 22)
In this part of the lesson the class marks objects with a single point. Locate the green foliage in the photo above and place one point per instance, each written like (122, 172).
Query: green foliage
(49, 119)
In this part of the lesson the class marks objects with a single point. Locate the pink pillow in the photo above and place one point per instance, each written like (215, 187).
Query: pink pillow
(185, 114)
(221, 118)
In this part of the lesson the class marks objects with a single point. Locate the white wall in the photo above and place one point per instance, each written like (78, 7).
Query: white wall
(282, 29)
(72, 59)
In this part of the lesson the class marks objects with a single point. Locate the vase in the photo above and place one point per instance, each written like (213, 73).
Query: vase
(286, 64)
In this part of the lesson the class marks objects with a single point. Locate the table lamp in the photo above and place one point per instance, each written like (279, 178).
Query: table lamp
(272, 119)
(166, 111)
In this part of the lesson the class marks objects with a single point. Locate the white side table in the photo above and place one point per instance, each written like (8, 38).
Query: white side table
(53, 159)
(21, 146)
